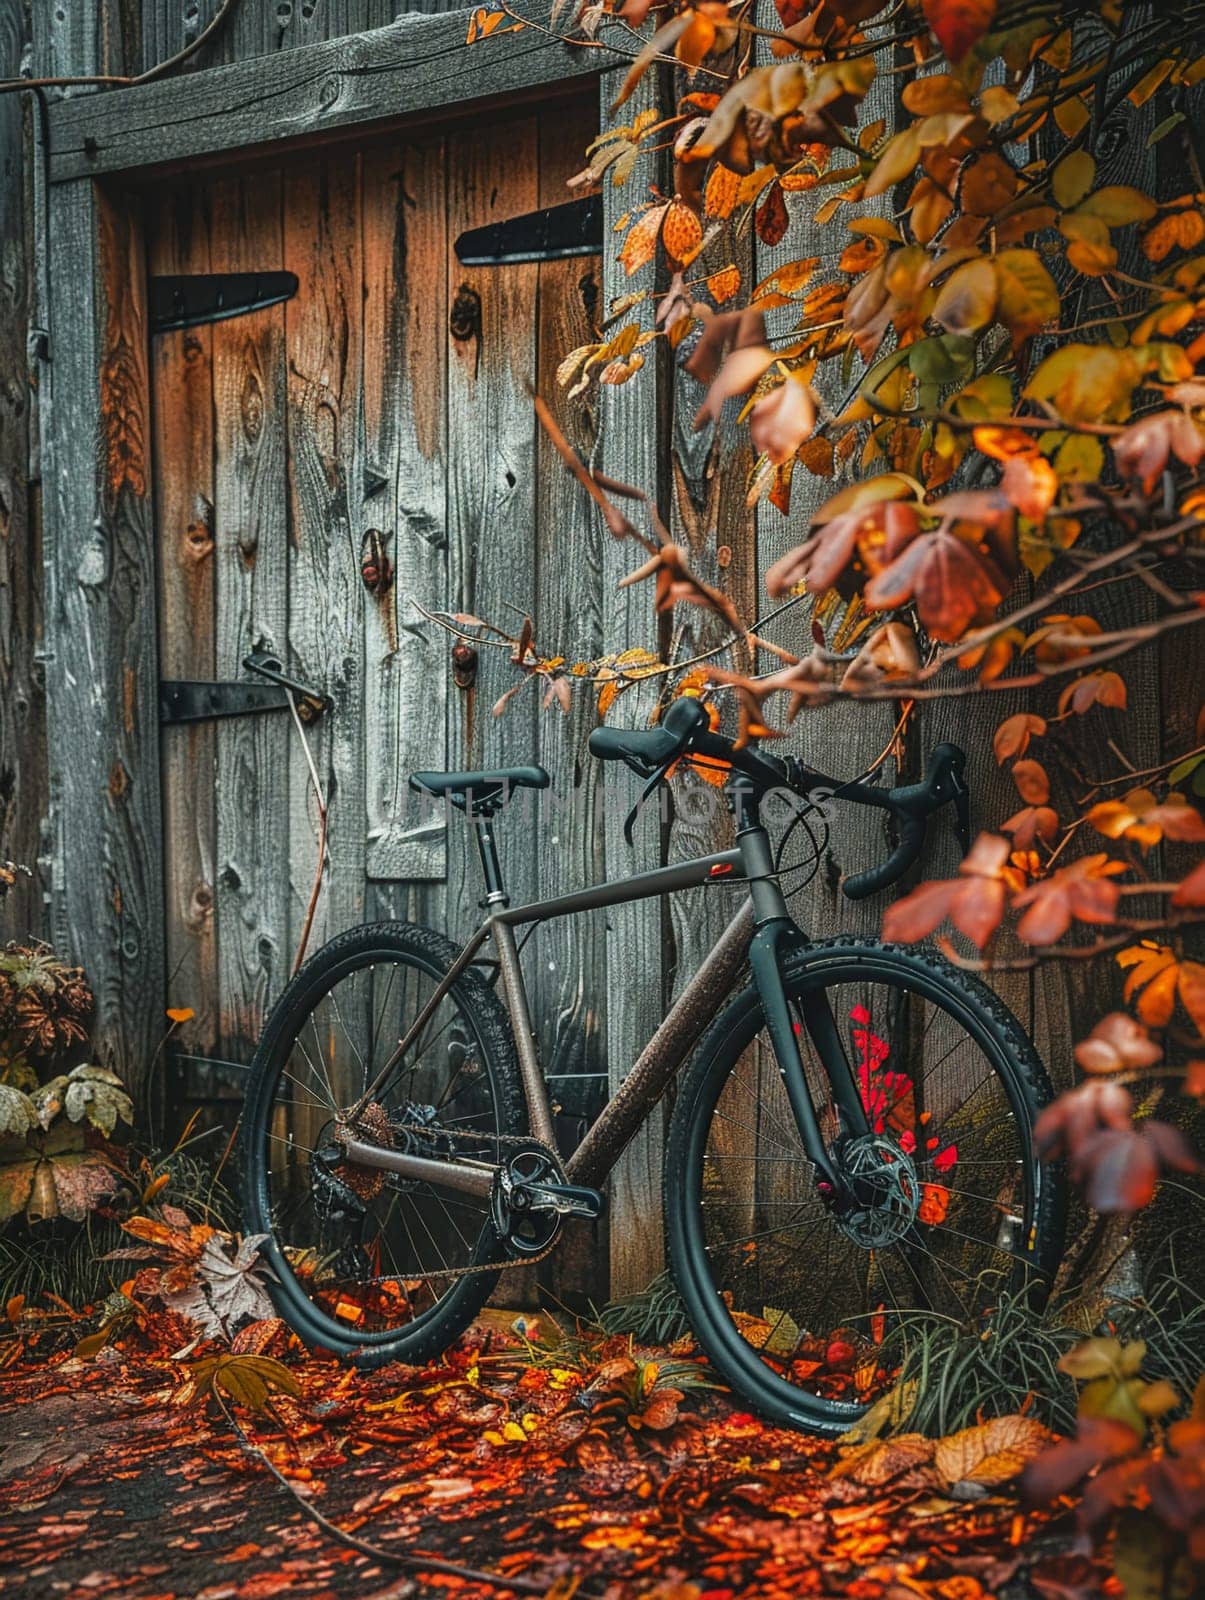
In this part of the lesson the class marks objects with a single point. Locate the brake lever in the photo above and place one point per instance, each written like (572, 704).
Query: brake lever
(656, 777)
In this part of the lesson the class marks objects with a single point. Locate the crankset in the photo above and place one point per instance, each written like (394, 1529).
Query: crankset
(531, 1198)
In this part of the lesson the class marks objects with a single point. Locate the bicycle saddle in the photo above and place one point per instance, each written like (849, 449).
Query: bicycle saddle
(480, 791)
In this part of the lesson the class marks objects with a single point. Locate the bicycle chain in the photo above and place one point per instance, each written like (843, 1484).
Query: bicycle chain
(528, 1142)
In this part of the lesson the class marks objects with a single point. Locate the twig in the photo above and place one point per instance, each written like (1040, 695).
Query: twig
(1068, 952)
(320, 865)
(617, 524)
(413, 1560)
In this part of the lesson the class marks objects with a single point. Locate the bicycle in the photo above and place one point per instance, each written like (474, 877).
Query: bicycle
(852, 1140)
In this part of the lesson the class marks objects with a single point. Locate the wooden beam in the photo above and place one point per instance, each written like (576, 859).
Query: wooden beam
(419, 64)
(102, 660)
(22, 701)
(630, 447)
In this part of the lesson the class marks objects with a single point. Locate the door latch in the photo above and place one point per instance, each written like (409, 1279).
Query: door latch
(187, 700)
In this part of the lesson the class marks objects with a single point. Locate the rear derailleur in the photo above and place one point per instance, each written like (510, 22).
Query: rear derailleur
(531, 1198)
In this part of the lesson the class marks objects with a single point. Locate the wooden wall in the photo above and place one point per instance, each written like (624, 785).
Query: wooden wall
(241, 467)
(23, 776)
(136, 35)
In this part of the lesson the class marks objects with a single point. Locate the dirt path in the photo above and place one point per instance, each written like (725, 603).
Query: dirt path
(108, 1487)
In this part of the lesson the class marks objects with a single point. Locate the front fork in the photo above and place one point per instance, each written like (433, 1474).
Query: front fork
(775, 936)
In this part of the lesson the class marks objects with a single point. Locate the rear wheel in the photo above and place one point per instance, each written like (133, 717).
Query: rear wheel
(793, 1303)
(369, 1264)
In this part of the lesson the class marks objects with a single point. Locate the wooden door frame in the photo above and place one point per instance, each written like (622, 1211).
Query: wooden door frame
(105, 838)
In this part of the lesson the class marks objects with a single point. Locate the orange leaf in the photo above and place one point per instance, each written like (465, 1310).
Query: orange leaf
(722, 285)
(640, 246)
(681, 233)
(1083, 890)
(720, 195)
(1032, 783)
(1014, 733)
(1116, 1043)
(1192, 992)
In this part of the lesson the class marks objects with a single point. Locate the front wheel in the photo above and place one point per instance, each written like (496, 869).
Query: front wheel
(794, 1304)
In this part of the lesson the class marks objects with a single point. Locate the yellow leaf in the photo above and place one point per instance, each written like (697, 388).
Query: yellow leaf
(1086, 383)
(1072, 117)
(967, 301)
(1080, 458)
(991, 1452)
(1073, 178)
(998, 104)
(1028, 297)
(1117, 204)
(897, 162)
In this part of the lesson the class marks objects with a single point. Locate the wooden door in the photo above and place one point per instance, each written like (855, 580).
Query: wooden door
(383, 408)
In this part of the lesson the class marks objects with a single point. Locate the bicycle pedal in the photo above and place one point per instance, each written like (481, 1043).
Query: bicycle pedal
(566, 1199)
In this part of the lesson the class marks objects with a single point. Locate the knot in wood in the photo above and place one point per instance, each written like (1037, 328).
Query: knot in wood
(464, 665)
(376, 569)
(464, 321)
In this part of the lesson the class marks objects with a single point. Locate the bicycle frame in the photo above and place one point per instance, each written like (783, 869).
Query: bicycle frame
(762, 930)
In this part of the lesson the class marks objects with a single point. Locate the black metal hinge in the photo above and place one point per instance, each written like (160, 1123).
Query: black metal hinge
(187, 700)
(184, 301)
(574, 229)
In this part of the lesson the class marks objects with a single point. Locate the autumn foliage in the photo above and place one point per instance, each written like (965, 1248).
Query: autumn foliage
(999, 344)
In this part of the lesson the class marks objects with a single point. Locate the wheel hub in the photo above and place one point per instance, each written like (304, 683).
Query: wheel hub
(888, 1193)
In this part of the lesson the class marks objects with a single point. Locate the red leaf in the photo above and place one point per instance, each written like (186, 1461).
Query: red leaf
(958, 25)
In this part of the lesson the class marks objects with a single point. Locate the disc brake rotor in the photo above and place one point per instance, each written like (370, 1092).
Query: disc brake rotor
(884, 1176)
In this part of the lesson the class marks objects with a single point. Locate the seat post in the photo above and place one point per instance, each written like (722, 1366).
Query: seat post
(495, 894)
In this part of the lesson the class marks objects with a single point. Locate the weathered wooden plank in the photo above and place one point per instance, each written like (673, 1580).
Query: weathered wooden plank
(417, 64)
(491, 489)
(167, 26)
(251, 556)
(23, 795)
(711, 521)
(630, 449)
(567, 965)
(67, 39)
(326, 630)
(840, 739)
(403, 497)
(182, 457)
(102, 664)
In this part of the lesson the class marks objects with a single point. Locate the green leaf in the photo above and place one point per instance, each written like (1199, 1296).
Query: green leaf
(1178, 773)
(16, 1181)
(93, 1343)
(1099, 1358)
(1164, 128)
(945, 359)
